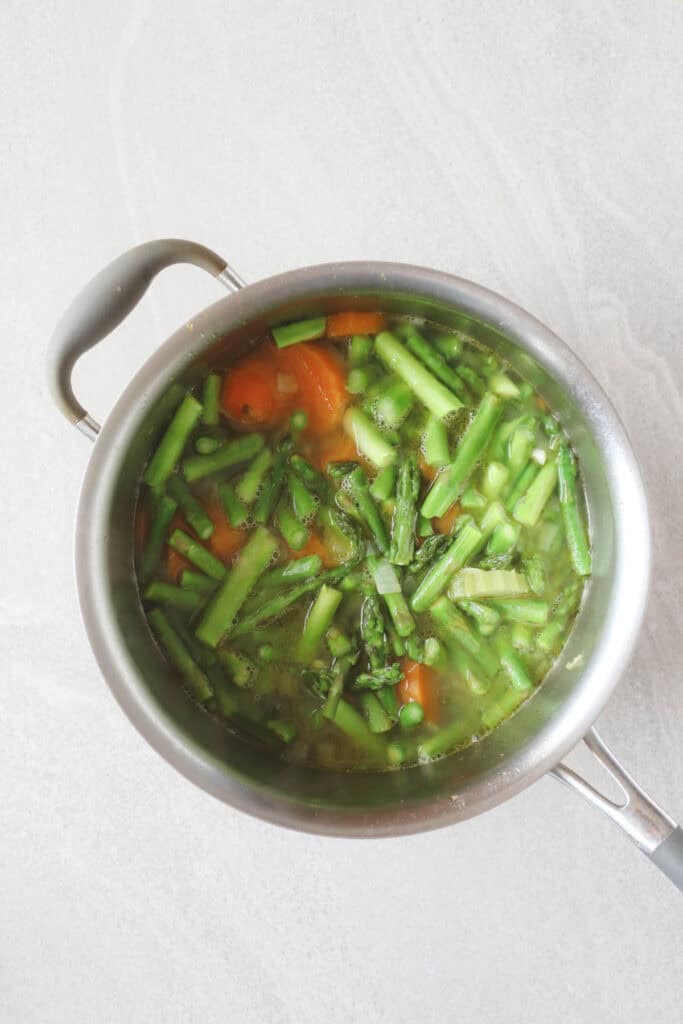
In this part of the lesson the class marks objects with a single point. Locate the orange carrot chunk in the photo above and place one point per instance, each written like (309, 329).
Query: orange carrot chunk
(314, 546)
(419, 684)
(342, 325)
(250, 393)
(446, 522)
(225, 540)
(321, 383)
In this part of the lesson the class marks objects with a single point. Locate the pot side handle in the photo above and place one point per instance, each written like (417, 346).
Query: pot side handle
(650, 828)
(107, 300)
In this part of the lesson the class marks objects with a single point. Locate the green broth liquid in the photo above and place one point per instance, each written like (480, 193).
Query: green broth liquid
(272, 700)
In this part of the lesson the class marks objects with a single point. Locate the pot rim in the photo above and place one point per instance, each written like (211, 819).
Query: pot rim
(619, 633)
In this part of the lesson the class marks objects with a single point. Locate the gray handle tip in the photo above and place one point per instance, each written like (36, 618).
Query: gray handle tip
(668, 857)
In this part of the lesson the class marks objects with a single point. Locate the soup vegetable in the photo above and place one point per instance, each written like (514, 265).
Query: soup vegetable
(363, 544)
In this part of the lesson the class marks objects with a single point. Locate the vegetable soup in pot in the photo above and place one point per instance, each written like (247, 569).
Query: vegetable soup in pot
(364, 543)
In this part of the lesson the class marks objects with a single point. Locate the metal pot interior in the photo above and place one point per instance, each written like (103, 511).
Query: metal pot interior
(390, 802)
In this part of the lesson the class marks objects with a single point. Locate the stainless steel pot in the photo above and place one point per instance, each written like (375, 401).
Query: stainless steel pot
(519, 751)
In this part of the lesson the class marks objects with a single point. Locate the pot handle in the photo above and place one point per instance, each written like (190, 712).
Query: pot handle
(107, 300)
(650, 828)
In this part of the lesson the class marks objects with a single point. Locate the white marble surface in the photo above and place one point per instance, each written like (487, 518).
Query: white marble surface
(534, 147)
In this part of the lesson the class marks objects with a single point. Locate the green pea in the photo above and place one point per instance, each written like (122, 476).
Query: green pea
(299, 420)
(266, 652)
(410, 715)
(206, 445)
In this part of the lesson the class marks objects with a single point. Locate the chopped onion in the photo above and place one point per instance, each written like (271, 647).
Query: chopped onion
(488, 583)
(385, 578)
(286, 383)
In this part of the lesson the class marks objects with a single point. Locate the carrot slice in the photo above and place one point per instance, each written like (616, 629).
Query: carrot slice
(250, 392)
(419, 683)
(341, 325)
(321, 384)
(428, 472)
(225, 540)
(446, 522)
(314, 546)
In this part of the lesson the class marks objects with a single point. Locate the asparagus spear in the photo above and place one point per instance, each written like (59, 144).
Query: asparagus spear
(389, 701)
(197, 554)
(390, 589)
(485, 616)
(360, 349)
(302, 330)
(577, 539)
(242, 670)
(318, 620)
(382, 487)
(434, 360)
(303, 500)
(515, 668)
(372, 632)
(272, 486)
(280, 603)
(519, 447)
(378, 678)
(292, 572)
(431, 550)
(171, 446)
(561, 611)
(453, 626)
(358, 488)
(197, 581)
(448, 486)
(405, 513)
(293, 531)
(230, 454)
(338, 642)
(251, 563)
(377, 718)
(233, 506)
(360, 379)
(503, 703)
(314, 480)
(212, 387)
(179, 655)
(393, 403)
(520, 485)
(529, 507)
(163, 514)
(449, 345)
(435, 443)
(194, 513)
(494, 479)
(457, 734)
(248, 487)
(473, 380)
(437, 578)
(353, 725)
(535, 573)
(430, 391)
(174, 597)
(523, 609)
(369, 441)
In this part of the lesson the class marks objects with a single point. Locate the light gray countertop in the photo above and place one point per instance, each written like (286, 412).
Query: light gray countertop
(533, 147)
